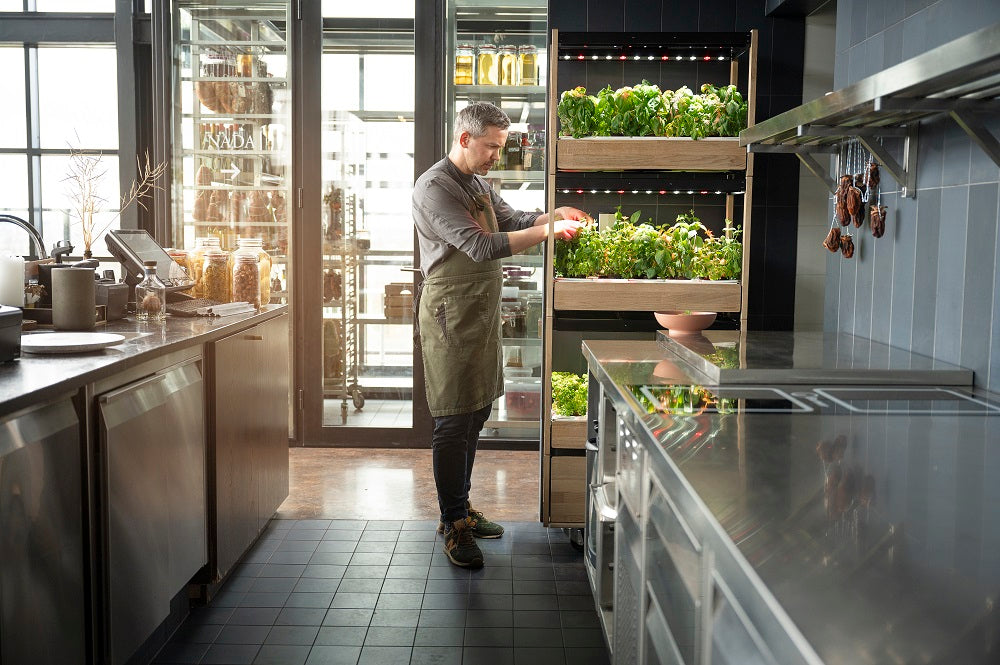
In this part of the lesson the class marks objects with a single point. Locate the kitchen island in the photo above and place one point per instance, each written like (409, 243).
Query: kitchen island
(801, 523)
(130, 473)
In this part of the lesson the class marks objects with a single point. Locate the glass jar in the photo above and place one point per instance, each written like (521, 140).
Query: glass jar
(215, 275)
(512, 319)
(464, 57)
(512, 152)
(255, 247)
(195, 262)
(487, 67)
(150, 295)
(246, 279)
(527, 57)
(533, 313)
(509, 74)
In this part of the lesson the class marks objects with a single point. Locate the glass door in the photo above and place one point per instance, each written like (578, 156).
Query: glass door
(367, 120)
(232, 151)
(496, 53)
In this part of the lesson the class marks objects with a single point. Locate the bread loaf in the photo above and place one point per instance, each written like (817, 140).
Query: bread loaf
(257, 210)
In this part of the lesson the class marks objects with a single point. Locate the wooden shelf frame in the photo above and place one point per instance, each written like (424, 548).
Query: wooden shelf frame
(627, 154)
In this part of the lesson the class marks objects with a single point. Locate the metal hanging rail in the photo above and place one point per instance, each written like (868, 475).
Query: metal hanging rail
(960, 79)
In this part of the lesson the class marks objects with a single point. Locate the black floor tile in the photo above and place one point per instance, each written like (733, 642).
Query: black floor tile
(384, 525)
(415, 572)
(230, 654)
(375, 546)
(384, 655)
(545, 573)
(348, 617)
(572, 587)
(532, 587)
(482, 618)
(300, 616)
(197, 633)
(490, 601)
(305, 534)
(331, 558)
(334, 546)
(539, 656)
(181, 653)
(292, 635)
(272, 585)
(341, 635)
(579, 619)
(361, 586)
(351, 600)
(445, 601)
(436, 656)
(317, 600)
(235, 634)
(419, 525)
(310, 524)
(317, 585)
(297, 546)
(491, 655)
(490, 586)
(253, 616)
(536, 619)
(348, 524)
(405, 618)
(441, 618)
(326, 571)
(538, 637)
(492, 571)
(210, 615)
(577, 603)
(390, 636)
(587, 656)
(282, 570)
(226, 598)
(439, 636)
(282, 654)
(583, 637)
(344, 535)
(253, 599)
(489, 636)
(536, 602)
(414, 546)
(401, 585)
(447, 586)
(333, 655)
(371, 559)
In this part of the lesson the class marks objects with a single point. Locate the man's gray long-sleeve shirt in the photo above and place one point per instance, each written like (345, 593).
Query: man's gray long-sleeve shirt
(442, 197)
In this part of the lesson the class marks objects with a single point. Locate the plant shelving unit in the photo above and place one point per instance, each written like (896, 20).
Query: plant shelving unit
(563, 458)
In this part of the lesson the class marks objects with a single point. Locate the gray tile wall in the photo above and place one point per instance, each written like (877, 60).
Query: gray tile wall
(930, 284)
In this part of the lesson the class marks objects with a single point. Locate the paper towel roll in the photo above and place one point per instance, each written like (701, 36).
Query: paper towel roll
(12, 281)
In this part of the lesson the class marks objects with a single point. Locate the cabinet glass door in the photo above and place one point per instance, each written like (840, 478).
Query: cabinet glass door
(367, 67)
(232, 147)
(496, 53)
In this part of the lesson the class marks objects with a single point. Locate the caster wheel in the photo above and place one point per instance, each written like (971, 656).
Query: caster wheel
(359, 399)
(575, 538)
(343, 412)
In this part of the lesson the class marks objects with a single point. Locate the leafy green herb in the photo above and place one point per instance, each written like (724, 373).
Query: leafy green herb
(569, 394)
(577, 112)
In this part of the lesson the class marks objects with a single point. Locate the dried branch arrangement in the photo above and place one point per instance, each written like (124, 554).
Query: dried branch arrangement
(85, 175)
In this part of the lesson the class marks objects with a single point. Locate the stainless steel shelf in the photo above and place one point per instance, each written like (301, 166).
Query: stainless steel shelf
(960, 78)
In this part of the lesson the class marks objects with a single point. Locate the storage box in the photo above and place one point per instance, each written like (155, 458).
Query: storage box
(523, 399)
(398, 301)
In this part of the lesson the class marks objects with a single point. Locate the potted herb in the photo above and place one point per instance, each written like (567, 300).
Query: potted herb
(569, 394)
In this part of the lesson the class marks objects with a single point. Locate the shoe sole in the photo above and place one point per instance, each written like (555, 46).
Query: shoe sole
(440, 530)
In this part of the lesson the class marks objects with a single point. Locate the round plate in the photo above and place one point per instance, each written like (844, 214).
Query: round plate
(68, 342)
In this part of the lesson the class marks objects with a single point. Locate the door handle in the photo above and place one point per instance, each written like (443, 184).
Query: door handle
(254, 338)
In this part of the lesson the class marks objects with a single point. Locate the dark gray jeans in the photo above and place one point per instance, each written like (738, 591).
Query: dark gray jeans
(454, 445)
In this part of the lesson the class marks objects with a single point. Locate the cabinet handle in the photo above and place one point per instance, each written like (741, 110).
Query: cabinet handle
(254, 338)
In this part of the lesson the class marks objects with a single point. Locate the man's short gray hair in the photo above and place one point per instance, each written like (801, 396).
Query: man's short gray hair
(478, 117)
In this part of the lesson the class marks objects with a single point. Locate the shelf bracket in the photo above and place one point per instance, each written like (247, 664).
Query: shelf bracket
(817, 170)
(978, 132)
(905, 174)
(824, 130)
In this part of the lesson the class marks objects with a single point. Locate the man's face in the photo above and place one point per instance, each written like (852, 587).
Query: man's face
(483, 152)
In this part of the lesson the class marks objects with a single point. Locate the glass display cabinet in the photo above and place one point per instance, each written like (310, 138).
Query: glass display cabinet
(496, 53)
(231, 127)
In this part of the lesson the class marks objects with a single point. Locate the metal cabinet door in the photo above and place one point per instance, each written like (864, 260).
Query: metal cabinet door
(152, 447)
(41, 537)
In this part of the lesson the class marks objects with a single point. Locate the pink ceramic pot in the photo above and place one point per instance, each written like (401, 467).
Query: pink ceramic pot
(678, 322)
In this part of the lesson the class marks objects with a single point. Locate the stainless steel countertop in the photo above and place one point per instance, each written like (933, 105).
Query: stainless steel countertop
(877, 534)
(36, 377)
(725, 357)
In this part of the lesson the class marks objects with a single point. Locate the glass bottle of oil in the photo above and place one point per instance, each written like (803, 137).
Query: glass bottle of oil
(528, 65)
(464, 56)
(487, 67)
(508, 66)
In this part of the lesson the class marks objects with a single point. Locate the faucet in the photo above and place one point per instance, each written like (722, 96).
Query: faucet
(36, 237)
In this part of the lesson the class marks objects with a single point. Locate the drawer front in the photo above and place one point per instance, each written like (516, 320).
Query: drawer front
(571, 434)
(630, 460)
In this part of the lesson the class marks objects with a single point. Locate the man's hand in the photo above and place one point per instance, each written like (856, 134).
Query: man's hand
(567, 212)
(566, 229)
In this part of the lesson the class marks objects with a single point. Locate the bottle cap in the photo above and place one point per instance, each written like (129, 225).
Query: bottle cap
(149, 264)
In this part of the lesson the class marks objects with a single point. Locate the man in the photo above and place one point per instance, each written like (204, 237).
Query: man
(464, 229)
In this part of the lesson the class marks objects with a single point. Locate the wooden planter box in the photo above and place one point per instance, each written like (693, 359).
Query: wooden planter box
(617, 153)
(569, 433)
(646, 295)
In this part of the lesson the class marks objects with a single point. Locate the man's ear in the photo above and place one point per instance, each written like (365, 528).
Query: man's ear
(463, 139)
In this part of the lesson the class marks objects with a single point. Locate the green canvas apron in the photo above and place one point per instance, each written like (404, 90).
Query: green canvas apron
(458, 315)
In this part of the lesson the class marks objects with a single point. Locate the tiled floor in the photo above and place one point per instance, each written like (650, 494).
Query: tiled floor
(375, 413)
(356, 592)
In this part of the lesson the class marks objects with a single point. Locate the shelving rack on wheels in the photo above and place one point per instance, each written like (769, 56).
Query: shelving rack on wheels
(348, 388)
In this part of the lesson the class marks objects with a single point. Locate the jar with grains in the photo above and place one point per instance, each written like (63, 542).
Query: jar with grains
(195, 262)
(246, 279)
(215, 275)
(255, 247)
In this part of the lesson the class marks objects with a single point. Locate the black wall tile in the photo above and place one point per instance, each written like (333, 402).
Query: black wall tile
(605, 15)
(642, 15)
(717, 15)
(678, 16)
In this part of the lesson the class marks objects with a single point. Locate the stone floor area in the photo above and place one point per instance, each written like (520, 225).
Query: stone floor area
(381, 592)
